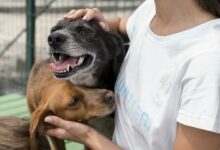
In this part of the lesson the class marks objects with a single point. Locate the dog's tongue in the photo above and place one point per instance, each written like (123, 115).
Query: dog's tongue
(62, 65)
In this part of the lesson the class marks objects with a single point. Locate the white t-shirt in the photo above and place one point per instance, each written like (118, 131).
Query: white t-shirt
(165, 80)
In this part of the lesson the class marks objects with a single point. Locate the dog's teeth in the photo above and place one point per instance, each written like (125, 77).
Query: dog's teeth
(80, 61)
(60, 57)
(53, 57)
(68, 67)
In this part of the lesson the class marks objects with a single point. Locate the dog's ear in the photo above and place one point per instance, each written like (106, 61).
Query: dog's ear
(112, 40)
(115, 42)
(115, 45)
(36, 118)
(120, 48)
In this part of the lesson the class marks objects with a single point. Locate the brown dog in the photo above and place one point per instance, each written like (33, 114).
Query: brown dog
(14, 135)
(49, 96)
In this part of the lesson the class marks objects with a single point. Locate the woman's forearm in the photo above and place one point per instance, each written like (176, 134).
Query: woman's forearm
(118, 24)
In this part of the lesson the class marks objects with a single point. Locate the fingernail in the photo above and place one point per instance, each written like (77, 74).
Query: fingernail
(84, 18)
(71, 17)
(48, 119)
(103, 25)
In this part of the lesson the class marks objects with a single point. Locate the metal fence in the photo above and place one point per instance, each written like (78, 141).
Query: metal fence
(17, 34)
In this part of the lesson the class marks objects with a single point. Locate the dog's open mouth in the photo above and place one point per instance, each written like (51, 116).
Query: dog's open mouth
(65, 66)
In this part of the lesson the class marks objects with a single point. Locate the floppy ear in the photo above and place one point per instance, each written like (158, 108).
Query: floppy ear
(114, 44)
(120, 50)
(112, 40)
(36, 118)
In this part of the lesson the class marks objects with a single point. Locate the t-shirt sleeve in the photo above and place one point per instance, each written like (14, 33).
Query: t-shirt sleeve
(135, 19)
(200, 103)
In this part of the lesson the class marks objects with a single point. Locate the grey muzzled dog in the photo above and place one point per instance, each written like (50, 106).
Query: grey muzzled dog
(85, 54)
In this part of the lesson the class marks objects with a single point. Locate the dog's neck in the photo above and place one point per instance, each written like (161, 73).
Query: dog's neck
(84, 80)
(102, 77)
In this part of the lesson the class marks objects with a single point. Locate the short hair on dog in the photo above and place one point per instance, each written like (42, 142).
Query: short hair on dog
(14, 135)
(85, 54)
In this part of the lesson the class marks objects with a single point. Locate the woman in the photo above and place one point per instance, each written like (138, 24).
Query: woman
(168, 88)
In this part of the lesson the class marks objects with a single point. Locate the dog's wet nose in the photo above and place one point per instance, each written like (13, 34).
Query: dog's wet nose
(56, 39)
(109, 97)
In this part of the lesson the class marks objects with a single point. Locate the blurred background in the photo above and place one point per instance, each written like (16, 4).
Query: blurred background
(25, 25)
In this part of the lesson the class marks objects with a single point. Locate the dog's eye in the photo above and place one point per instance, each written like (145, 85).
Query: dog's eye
(83, 30)
(75, 100)
(85, 33)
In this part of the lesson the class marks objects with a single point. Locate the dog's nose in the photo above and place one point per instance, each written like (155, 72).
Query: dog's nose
(56, 39)
(109, 97)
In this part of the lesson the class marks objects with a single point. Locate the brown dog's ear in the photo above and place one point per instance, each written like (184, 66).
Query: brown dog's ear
(36, 118)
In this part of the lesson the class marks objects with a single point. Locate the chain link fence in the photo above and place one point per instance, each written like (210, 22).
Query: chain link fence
(13, 32)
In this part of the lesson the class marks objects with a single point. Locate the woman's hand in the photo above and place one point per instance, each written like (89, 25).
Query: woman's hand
(116, 24)
(79, 133)
(88, 14)
(69, 130)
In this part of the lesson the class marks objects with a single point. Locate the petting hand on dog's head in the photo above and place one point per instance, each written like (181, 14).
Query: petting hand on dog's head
(87, 15)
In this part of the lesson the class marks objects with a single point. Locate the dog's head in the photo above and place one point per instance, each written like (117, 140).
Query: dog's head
(79, 47)
(71, 103)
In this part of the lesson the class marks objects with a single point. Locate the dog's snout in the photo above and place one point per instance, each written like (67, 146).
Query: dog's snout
(109, 97)
(56, 39)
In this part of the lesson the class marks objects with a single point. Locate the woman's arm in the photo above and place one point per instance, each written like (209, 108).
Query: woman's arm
(189, 138)
(118, 24)
(79, 133)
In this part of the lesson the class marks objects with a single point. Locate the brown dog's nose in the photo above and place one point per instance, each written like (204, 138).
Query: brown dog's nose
(109, 97)
(56, 39)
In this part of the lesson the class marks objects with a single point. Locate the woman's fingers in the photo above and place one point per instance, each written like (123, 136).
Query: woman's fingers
(67, 129)
(70, 13)
(59, 133)
(56, 121)
(87, 15)
(93, 13)
(90, 14)
(104, 26)
(74, 14)
(62, 129)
